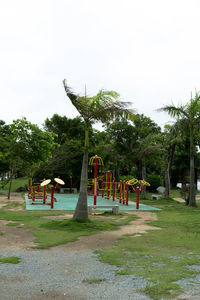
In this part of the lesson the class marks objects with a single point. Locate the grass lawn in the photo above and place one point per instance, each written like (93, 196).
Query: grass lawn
(163, 256)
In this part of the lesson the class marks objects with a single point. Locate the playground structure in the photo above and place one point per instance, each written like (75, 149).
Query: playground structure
(39, 191)
(111, 189)
(95, 161)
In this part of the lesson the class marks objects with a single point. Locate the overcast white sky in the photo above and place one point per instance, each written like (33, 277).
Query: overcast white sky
(148, 51)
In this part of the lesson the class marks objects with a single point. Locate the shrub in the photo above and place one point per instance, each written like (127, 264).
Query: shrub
(155, 181)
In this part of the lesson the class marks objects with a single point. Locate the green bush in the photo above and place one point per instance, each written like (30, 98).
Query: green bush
(155, 181)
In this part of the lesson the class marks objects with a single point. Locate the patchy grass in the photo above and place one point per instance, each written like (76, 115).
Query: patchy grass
(16, 205)
(9, 260)
(50, 233)
(13, 224)
(124, 272)
(16, 183)
(162, 256)
(94, 280)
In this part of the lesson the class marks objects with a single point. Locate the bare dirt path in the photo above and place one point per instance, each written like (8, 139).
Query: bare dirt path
(105, 239)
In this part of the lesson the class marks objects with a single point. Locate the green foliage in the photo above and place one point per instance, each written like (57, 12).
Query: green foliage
(29, 143)
(65, 162)
(65, 128)
(25, 145)
(155, 181)
(189, 115)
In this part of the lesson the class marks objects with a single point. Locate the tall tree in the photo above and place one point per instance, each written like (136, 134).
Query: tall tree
(102, 107)
(4, 148)
(170, 138)
(65, 128)
(190, 114)
(28, 145)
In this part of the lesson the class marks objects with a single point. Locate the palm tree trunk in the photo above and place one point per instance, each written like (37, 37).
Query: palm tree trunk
(167, 182)
(192, 200)
(81, 211)
(168, 170)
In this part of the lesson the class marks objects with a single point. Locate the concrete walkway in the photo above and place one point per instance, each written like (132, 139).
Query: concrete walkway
(181, 200)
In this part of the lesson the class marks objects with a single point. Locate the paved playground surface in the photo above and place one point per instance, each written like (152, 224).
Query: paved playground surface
(69, 201)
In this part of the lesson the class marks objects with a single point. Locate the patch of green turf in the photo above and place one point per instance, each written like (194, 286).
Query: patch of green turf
(14, 224)
(14, 205)
(124, 272)
(93, 280)
(9, 260)
(161, 256)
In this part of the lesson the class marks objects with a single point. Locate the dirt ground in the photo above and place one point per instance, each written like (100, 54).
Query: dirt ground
(19, 238)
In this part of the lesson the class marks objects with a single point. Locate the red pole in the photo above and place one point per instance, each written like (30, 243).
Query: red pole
(137, 197)
(113, 189)
(127, 189)
(33, 195)
(120, 191)
(44, 194)
(102, 187)
(123, 186)
(108, 185)
(52, 194)
(95, 181)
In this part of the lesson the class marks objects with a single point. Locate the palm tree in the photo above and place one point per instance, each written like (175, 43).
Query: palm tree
(189, 114)
(171, 137)
(103, 107)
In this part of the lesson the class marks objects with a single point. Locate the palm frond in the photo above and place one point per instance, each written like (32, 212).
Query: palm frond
(81, 103)
(103, 107)
(109, 109)
(175, 111)
(194, 106)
